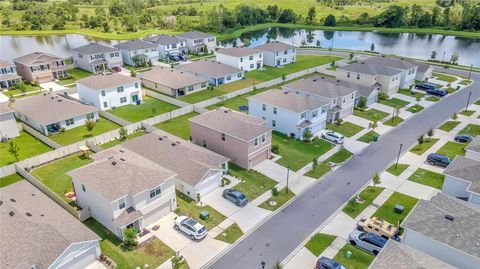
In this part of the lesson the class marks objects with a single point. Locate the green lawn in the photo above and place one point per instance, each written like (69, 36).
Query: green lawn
(432, 98)
(451, 90)
(467, 113)
(396, 121)
(319, 242)
(372, 114)
(394, 102)
(231, 234)
(189, 208)
(419, 149)
(359, 259)
(28, 146)
(415, 108)
(368, 137)
(322, 168)
(409, 93)
(471, 129)
(465, 82)
(296, 153)
(428, 178)
(477, 102)
(387, 213)
(452, 149)
(29, 88)
(445, 77)
(281, 199)
(302, 62)
(449, 125)
(368, 195)
(178, 126)
(54, 174)
(347, 129)
(119, 141)
(5, 181)
(151, 107)
(76, 74)
(236, 85)
(400, 168)
(236, 102)
(80, 133)
(253, 183)
(153, 252)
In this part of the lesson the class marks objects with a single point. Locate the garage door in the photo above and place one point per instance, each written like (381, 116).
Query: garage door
(81, 261)
(259, 158)
(156, 214)
(210, 184)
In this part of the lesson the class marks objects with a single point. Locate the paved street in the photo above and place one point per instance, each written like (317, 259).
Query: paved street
(286, 230)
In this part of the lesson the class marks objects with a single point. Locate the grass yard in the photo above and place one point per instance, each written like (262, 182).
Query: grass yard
(471, 129)
(76, 74)
(119, 141)
(400, 168)
(371, 114)
(415, 108)
(452, 149)
(429, 178)
(449, 125)
(467, 113)
(178, 126)
(359, 260)
(236, 85)
(28, 146)
(153, 252)
(236, 102)
(319, 242)
(188, 206)
(419, 149)
(29, 88)
(253, 183)
(465, 82)
(151, 107)
(231, 234)
(54, 174)
(394, 102)
(280, 199)
(368, 137)
(347, 129)
(386, 210)
(407, 92)
(368, 195)
(450, 90)
(296, 153)
(201, 96)
(393, 122)
(5, 181)
(323, 167)
(432, 98)
(80, 133)
(445, 77)
(477, 102)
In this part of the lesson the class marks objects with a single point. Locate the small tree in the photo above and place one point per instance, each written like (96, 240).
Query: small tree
(353, 203)
(418, 98)
(372, 47)
(332, 64)
(420, 139)
(338, 121)
(430, 133)
(22, 87)
(433, 56)
(454, 58)
(130, 239)
(318, 43)
(284, 77)
(330, 20)
(454, 116)
(275, 148)
(350, 56)
(198, 197)
(362, 102)
(177, 261)
(14, 150)
(123, 133)
(376, 180)
(315, 162)
(274, 191)
(133, 72)
(373, 124)
(307, 135)
(90, 124)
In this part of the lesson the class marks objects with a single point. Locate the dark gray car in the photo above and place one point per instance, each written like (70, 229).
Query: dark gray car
(235, 196)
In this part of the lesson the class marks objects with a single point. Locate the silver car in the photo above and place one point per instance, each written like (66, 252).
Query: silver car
(369, 242)
(333, 137)
(190, 227)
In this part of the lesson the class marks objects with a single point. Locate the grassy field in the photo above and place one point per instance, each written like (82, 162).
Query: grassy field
(368, 137)
(387, 213)
(5, 181)
(428, 178)
(394, 102)
(178, 126)
(449, 125)
(322, 168)
(400, 168)
(368, 195)
(393, 122)
(452, 149)
(471, 129)
(231, 234)
(347, 129)
(151, 107)
(280, 200)
(253, 183)
(371, 114)
(201, 95)
(28, 147)
(359, 260)
(319, 242)
(419, 149)
(80, 133)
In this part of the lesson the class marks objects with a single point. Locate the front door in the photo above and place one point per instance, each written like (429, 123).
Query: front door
(258, 65)
(135, 98)
(278, 62)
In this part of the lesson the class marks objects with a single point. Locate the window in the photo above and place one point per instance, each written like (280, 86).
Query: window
(105, 104)
(223, 137)
(103, 93)
(264, 107)
(241, 60)
(69, 122)
(274, 110)
(123, 100)
(250, 57)
(264, 118)
(136, 85)
(260, 55)
(276, 53)
(393, 78)
(83, 188)
(190, 88)
(334, 101)
(314, 113)
(352, 96)
(252, 66)
(358, 76)
(324, 109)
(80, 55)
(239, 75)
(255, 142)
(348, 74)
(285, 52)
(274, 123)
(229, 78)
(204, 143)
(120, 89)
(121, 203)
(303, 115)
(285, 60)
(264, 138)
(343, 99)
(155, 192)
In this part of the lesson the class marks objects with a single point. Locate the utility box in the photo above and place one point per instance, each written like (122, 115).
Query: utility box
(204, 215)
(348, 254)
(399, 209)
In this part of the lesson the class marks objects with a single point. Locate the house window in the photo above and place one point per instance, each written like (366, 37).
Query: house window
(252, 66)
(334, 101)
(105, 104)
(204, 143)
(155, 192)
(264, 138)
(83, 188)
(69, 122)
(276, 53)
(393, 78)
(324, 109)
(80, 56)
(239, 75)
(223, 137)
(343, 100)
(314, 113)
(190, 88)
(348, 74)
(229, 78)
(250, 57)
(121, 203)
(103, 93)
(352, 96)
(120, 89)
(255, 142)
(90, 116)
(264, 107)
(136, 85)
(274, 110)
(274, 123)
(241, 60)
(123, 100)
(260, 55)
(358, 76)
(303, 115)
(285, 52)
(285, 60)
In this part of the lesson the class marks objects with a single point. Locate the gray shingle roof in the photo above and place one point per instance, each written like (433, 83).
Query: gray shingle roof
(237, 124)
(393, 62)
(474, 145)
(275, 46)
(428, 218)
(364, 90)
(210, 68)
(172, 78)
(38, 239)
(239, 52)
(93, 48)
(4, 109)
(36, 58)
(127, 216)
(4, 63)
(370, 68)
(134, 44)
(466, 169)
(164, 39)
(422, 67)
(321, 86)
(48, 108)
(9, 77)
(288, 100)
(194, 34)
(107, 80)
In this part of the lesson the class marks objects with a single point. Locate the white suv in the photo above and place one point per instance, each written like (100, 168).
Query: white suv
(333, 137)
(190, 227)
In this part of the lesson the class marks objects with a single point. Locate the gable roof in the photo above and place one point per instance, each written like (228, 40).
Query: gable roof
(93, 48)
(393, 62)
(37, 58)
(194, 34)
(321, 86)
(474, 145)
(275, 46)
(164, 39)
(107, 80)
(210, 68)
(238, 52)
(365, 67)
(170, 77)
(422, 67)
(288, 100)
(38, 239)
(4, 63)
(466, 169)
(134, 44)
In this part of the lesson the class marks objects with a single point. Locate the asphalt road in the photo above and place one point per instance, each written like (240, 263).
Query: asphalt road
(275, 239)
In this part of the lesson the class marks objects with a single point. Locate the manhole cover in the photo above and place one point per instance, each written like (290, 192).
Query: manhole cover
(272, 203)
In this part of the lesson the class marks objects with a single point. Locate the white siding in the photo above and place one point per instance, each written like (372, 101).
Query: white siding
(128, 55)
(243, 63)
(472, 155)
(455, 187)
(112, 97)
(279, 58)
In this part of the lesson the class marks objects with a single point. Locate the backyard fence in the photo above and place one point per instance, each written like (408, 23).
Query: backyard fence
(169, 115)
(165, 98)
(114, 118)
(40, 136)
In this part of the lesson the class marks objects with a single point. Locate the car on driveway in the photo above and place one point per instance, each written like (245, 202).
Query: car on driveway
(327, 263)
(333, 137)
(463, 138)
(437, 92)
(190, 227)
(369, 242)
(235, 197)
(438, 159)
(425, 86)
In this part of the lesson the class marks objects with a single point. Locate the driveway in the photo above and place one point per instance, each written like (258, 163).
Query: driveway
(55, 87)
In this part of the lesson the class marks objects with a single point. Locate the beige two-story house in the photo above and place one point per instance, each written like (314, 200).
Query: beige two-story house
(40, 67)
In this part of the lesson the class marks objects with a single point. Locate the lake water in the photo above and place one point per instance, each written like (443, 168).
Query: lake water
(406, 44)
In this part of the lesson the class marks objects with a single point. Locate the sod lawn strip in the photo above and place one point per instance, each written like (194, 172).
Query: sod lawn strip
(467, 113)
(319, 242)
(415, 108)
(368, 137)
(81, 133)
(5, 181)
(432, 98)
(178, 126)
(347, 129)
(396, 121)
(368, 195)
(150, 107)
(445, 77)
(282, 197)
(419, 149)
(118, 141)
(252, 183)
(323, 167)
(231, 234)
(394, 102)
(452, 149)
(386, 211)
(471, 129)
(449, 125)
(428, 178)
(400, 168)
(359, 259)
(371, 114)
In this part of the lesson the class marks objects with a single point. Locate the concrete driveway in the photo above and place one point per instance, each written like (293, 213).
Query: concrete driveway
(222, 205)
(200, 252)
(249, 216)
(55, 87)
(167, 233)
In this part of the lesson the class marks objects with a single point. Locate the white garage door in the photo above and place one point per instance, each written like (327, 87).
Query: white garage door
(210, 184)
(156, 214)
(81, 261)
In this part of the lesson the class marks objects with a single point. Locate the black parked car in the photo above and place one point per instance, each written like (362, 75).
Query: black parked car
(463, 138)
(326, 263)
(182, 57)
(437, 92)
(174, 58)
(425, 86)
(438, 159)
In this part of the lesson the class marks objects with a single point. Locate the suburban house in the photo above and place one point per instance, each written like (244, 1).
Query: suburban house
(367, 74)
(8, 124)
(172, 81)
(408, 68)
(242, 138)
(277, 53)
(122, 190)
(168, 45)
(242, 58)
(137, 52)
(462, 179)
(340, 95)
(199, 171)
(289, 113)
(35, 232)
(400, 256)
(215, 72)
(50, 112)
(424, 71)
(96, 58)
(109, 90)
(8, 74)
(368, 93)
(445, 228)
(41, 67)
(472, 151)
(199, 41)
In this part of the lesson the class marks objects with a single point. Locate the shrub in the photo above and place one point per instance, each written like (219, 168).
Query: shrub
(274, 191)
(338, 121)
(123, 133)
(276, 149)
(382, 96)
(362, 102)
(130, 239)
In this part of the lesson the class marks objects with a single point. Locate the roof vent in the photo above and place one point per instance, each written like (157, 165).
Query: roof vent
(314, 79)
(178, 142)
(338, 80)
(285, 92)
(44, 94)
(13, 200)
(41, 215)
(362, 63)
(28, 214)
(160, 138)
(11, 213)
(122, 159)
(165, 136)
(173, 144)
(450, 217)
(1, 202)
(121, 150)
(52, 97)
(33, 194)
(59, 100)
(114, 163)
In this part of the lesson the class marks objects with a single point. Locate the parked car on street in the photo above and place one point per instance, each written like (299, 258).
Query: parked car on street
(333, 137)
(327, 263)
(463, 138)
(425, 86)
(235, 197)
(190, 227)
(438, 159)
(369, 242)
(437, 92)
(377, 226)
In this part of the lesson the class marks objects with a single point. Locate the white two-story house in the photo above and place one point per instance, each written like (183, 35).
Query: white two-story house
(242, 58)
(110, 90)
(137, 52)
(168, 45)
(407, 68)
(8, 74)
(339, 94)
(277, 53)
(289, 113)
(121, 190)
(96, 58)
(199, 41)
